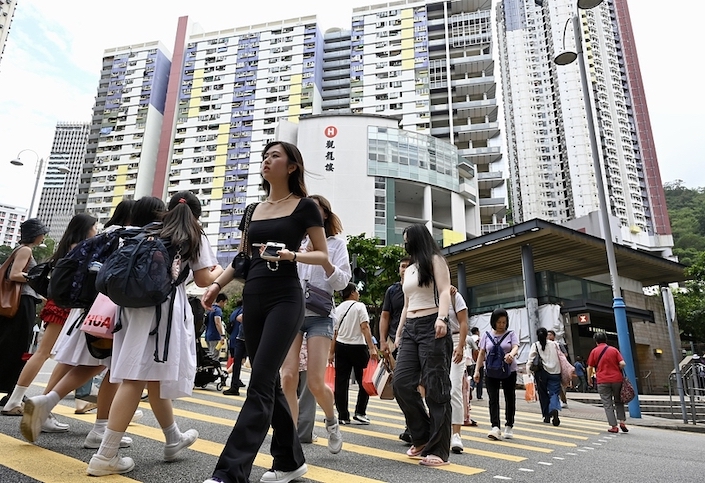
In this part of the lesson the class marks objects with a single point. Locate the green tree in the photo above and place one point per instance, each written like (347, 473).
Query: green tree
(686, 210)
(690, 303)
(42, 252)
(5, 251)
(381, 263)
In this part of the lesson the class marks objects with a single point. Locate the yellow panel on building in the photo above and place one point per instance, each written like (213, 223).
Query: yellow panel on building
(408, 64)
(295, 85)
(451, 237)
(195, 101)
(407, 14)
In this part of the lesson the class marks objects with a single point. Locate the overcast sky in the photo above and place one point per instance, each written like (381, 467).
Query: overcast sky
(52, 63)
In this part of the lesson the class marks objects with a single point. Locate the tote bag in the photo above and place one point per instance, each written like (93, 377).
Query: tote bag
(10, 291)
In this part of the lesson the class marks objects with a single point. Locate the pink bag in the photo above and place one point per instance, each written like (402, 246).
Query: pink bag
(329, 378)
(100, 320)
(567, 369)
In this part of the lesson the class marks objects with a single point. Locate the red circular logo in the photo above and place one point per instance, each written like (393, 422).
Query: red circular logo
(331, 131)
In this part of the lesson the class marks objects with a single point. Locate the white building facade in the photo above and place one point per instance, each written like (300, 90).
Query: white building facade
(11, 217)
(7, 11)
(380, 178)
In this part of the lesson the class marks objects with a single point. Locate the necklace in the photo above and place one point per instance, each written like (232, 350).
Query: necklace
(279, 201)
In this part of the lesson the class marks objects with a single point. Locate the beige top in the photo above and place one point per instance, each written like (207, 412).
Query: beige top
(419, 297)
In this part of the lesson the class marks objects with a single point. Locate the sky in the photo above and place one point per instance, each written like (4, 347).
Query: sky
(51, 66)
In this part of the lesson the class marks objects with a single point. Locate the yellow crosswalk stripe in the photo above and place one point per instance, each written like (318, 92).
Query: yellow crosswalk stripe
(46, 465)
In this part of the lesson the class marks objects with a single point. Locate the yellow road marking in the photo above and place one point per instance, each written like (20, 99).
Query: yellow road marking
(46, 465)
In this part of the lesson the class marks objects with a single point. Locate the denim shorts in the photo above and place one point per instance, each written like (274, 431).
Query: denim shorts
(317, 326)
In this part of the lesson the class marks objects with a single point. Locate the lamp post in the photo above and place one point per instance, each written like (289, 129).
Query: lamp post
(618, 306)
(40, 170)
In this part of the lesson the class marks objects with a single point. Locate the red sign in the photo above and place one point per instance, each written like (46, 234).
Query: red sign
(331, 131)
(583, 319)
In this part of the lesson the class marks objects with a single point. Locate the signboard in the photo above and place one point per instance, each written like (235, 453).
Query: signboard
(583, 319)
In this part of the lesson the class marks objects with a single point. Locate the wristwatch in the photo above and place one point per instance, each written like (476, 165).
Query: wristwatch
(445, 319)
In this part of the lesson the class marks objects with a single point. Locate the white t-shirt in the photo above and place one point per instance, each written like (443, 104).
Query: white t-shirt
(453, 312)
(349, 327)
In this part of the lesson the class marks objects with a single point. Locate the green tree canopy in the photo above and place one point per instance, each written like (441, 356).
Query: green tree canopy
(690, 303)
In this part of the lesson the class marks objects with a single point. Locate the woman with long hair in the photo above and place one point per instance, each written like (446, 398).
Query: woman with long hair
(273, 308)
(425, 347)
(332, 276)
(133, 364)
(77, 365)
(509, 342)
(80, 227)
(16, 331)
(548, 378)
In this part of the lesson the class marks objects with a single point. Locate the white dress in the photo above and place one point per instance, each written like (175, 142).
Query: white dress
(72, 348)
(134, 349)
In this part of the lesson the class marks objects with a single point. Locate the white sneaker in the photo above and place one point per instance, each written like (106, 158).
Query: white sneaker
(314, 437)
(94, 439)
(137, 416)
(508, 432)
(276, 476)
(335, 439)
(456, 443)
(495, 433)
(171, 451)
(102, 466)
(52, 425)
(35, 413)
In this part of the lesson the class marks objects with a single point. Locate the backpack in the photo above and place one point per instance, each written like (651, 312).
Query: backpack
(495, 366)
(141, 273)
(144, 272)
(72, 282)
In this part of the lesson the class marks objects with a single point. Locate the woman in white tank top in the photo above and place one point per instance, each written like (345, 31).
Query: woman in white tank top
(425, 348)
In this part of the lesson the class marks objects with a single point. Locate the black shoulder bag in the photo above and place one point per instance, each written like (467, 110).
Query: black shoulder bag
(241, 262)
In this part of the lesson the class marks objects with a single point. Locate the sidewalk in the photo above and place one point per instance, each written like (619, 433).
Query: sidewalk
(595, 412)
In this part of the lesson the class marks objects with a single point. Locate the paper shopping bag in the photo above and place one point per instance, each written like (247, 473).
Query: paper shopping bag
(383, 380)
(330, 377)
(368, 373)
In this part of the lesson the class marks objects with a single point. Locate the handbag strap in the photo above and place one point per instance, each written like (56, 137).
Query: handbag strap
(597, 364)
(246, 228)
(340, 324)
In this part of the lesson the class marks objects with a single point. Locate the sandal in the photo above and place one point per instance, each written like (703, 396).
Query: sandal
(415, 452)
(433, 460)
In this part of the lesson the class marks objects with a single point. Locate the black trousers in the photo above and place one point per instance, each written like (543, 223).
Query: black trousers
(510, 401)
(348, 358)
(425, 360)
(15, 337)
(273, 317)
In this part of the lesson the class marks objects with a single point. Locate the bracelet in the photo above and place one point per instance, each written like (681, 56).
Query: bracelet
(219, 285)
(294, 259)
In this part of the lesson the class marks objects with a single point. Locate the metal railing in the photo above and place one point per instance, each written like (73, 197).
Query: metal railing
(693, 390)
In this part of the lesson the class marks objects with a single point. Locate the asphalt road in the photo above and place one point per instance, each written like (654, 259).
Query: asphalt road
(579, 449)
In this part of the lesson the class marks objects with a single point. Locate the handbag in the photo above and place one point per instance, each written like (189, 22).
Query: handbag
(368, 374)
(567, 369)
(10, 291)
(329, 377)
(318, 300)
(241, 262)
(627, 393)
(38, 278)
(537, 364)
(383, 378)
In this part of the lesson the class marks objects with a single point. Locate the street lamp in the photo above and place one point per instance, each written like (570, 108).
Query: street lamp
(620, 309)
(40, 170)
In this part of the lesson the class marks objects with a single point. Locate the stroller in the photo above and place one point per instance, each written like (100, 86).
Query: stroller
(208, 369)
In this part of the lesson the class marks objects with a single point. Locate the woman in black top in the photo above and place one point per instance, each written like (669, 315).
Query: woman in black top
(273, 302)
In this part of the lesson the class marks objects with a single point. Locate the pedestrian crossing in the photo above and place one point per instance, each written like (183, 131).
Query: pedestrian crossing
(370, 453)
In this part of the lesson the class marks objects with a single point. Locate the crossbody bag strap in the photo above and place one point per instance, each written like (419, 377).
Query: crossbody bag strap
(601, 354)
(245, 232)
(343, 317)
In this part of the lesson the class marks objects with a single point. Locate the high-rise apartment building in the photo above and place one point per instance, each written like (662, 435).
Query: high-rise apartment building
(11, 217)
(7, 10)
(58, 196)
(548, 144)
(125, 129)
(236, 85)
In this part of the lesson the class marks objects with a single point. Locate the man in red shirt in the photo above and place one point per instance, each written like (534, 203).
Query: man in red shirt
(607, 363)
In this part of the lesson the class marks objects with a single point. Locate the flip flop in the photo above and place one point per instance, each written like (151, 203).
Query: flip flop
(433, 460)
(415, 452)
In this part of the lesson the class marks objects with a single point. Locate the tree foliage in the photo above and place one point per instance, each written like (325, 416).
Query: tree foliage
(41, 253)
(381, 263)
(690, 303)
(686, 210)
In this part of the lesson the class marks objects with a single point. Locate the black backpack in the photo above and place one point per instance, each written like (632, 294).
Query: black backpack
(141, 274)
(72, 282)
(495, 366)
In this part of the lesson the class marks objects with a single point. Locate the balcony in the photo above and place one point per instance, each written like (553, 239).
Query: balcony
(481, 155)
(489, 180)
(469, 191)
